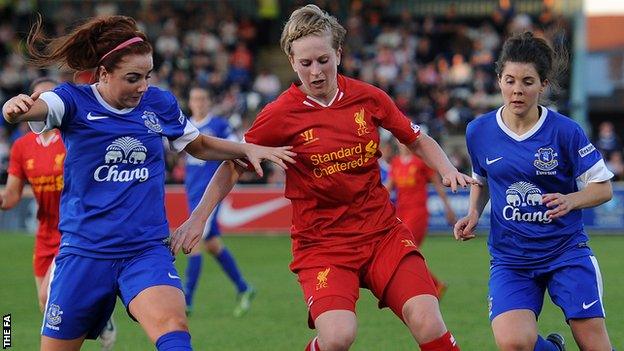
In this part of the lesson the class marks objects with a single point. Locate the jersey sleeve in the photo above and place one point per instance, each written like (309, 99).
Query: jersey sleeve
(587, 163)
(16, 162)
(392, 119)
(176, 127)
(265, 130)
(61, 107)
(478, 171)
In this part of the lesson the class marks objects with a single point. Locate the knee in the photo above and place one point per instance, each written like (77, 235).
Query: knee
(515, 342)
(173, 322)
(337, 339)
(214, 246)
(424, 319)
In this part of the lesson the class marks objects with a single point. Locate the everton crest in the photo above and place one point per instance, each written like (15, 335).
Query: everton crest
(151, 121)
(546, 161)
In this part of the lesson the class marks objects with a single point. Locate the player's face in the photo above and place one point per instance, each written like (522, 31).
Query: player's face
(199, 102)
(521, 87)
(316, 63)
(126, 84)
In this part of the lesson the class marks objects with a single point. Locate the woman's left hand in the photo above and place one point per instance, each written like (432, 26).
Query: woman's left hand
(256, 154)
(187, 235)
(559, 205)
(454, 178)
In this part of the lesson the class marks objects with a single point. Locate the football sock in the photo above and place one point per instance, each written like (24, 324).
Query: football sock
(444, 343)
(228, 264)
(193, 270)
(313, 345)
(174, 341)
(544, 345)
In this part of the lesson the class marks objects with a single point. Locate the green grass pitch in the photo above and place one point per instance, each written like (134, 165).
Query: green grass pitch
(277, 320)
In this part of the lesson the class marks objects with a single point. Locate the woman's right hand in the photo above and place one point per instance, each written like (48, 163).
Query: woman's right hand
(465, 228)
(187, 235)
(19, 105)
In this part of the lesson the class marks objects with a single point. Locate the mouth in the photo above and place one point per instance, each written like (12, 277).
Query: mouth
(318, 83)
(517, 103)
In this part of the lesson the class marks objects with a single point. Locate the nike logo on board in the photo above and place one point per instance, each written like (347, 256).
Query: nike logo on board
(94, 118)
(489, 162)
(233, 217)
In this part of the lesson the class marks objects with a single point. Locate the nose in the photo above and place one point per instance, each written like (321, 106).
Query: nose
(143, 86)
(517, 89)
(315, 68)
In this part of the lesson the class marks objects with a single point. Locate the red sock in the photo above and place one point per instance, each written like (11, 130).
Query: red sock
(444, 343)
(313, 345)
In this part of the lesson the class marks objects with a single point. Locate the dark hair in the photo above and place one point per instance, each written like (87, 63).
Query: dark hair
(524, 47)
(83, 48)
(40, 80)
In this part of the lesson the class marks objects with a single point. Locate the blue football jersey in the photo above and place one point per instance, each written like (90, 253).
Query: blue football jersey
(555, 156)
(199, 172)
(112, 204)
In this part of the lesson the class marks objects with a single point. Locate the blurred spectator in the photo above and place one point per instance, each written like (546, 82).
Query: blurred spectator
(607, 141)
(268, 85)
(615, 163)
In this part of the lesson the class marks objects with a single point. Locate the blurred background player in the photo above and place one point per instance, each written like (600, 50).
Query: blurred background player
(408, 177)
(198, 175)
(538, 169)
(38, 159)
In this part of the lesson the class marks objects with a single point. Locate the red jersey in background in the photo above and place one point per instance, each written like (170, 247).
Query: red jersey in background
(40, 162)
(335, 188)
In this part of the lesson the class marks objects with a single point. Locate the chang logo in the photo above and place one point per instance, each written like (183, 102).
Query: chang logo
(124, 150)
(520, 195)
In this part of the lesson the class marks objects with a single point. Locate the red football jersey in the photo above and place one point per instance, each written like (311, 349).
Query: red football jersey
(335, 188)
(410, 176)
(41, 164)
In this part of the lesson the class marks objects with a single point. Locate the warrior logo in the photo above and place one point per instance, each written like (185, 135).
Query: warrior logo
(546, 160)
(124, 150)
(523, 194)
(322, 279)
(151, 121)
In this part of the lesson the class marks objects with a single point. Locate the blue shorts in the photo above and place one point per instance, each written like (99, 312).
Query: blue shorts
(83, 290)
(574, 285)
(212, 226)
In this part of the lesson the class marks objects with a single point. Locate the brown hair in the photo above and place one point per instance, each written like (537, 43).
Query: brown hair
(311, 20)
(83, 48)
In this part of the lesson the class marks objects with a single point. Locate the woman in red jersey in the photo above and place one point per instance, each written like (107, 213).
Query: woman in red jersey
(345, 232)
(409, 176)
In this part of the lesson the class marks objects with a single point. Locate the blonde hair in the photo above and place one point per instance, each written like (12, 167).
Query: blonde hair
(311, 20)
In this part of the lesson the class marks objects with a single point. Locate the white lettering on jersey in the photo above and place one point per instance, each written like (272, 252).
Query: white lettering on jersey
(523, 194)
(123, 150)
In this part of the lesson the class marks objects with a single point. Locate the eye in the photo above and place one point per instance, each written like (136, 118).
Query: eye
(306, 63)
(323, 60)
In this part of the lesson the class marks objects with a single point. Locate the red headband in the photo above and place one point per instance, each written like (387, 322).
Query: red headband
(123, 45)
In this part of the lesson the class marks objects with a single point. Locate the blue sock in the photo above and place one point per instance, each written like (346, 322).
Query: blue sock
(174, 341)
(228, 264)
(544, 345)
(193, 269)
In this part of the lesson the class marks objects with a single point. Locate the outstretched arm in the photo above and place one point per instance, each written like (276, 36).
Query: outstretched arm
(433, 155)
(12, 193)
(189, 233)
(210, 148)
(593, 194)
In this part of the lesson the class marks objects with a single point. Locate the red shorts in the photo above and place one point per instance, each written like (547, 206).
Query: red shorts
(329, 287)
(41, 263)
(417, 221)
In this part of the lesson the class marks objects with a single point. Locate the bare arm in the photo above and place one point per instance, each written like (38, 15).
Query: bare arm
(593, 194)
(210, 148)
(23, 108)
(12, 193)
(465, 227)
(433, 155)
(189, 233)
(448, 210)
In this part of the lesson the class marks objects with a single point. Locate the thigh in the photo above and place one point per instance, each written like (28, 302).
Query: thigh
(387, 256)
(515, 329)
(576, 287)
(159, 309)
(50, 344)
(328, 288)
(590, 333)
(81, 297)
(514, 289)
(152, 267)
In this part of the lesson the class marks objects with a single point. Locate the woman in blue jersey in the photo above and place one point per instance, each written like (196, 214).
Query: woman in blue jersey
(542, 171)
(112, 217)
